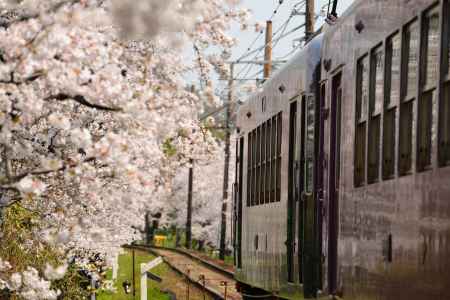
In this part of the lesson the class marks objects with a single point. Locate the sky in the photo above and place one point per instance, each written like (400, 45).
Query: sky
(262, 10)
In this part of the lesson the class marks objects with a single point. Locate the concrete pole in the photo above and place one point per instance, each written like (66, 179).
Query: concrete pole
(310, 20)
(268, 51)
(189, 207)
(134, 277)
(223, 227)
(189, 200)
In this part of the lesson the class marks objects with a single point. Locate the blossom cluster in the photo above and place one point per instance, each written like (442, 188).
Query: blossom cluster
(93, 125)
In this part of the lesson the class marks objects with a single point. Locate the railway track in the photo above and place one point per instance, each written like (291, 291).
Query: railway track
(212, 279)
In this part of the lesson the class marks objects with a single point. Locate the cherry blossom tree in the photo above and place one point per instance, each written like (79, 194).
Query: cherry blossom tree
(95, 116)
(207, 198)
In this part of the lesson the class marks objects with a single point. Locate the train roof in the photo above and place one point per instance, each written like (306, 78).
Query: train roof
(292, 79)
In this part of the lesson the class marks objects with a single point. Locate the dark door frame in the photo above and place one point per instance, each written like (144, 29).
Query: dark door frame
(239, 203)
(292, 193)
(333, 181)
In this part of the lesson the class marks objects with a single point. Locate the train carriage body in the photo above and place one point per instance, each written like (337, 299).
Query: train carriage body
(383, 73)
(343, 183)
(266, 124)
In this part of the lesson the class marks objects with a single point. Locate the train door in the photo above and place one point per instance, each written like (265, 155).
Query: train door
(292, 192)
(238, 203)
(333, 183)
(308, 207)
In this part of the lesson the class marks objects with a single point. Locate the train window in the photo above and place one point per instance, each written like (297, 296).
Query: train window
(263, 164)
(431, 48)
(360, 154)
(389, 143)
(268, 162)
(258, 166)
(309, 144)
(274, 159)
(362, 89)
(411, 38)
(362, 98)
(249, 168)
(430, 66)
(424, 130)
(409, 87)
(392, 88)
(393, 49)
(375, 106)
(279, 135)
(376, 81)
(373, 150)
(405, 138)
(254, 174)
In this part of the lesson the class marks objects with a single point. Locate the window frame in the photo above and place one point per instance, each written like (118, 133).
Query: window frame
(404, 96)
(372, 111)
(374, 118)
(390, 117)
(424, 48)
(249, 168)
(428, 96)
(264, 155)
(407, 100)
(360, 145)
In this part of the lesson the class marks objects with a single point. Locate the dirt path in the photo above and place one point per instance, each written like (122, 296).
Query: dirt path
(196, 271)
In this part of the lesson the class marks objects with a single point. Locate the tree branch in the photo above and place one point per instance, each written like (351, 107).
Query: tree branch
(28, 79)
(19, 177)
(83, 101)
(13, 16)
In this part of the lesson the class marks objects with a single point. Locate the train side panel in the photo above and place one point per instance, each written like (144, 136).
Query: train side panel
(264, 226)
(394, 186)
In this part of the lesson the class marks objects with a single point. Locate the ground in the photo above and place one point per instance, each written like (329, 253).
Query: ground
(196, 270)
(172, 281)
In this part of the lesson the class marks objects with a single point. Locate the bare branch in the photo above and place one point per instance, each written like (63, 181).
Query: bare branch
(28, 79)
(13, 16)
(83, 101)
(44, 172)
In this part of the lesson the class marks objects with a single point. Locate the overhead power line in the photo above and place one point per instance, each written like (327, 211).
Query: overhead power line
(280, 2)
(275, 40)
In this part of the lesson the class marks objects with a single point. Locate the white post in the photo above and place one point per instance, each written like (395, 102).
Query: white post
(144, 269)
(93, 288)
(115, 267)
(143, 283)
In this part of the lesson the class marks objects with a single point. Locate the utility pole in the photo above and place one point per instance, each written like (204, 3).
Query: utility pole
(134, 277)
(223, 227)
(268, 51)
(189, 206)
(189, 200)
(310, 20)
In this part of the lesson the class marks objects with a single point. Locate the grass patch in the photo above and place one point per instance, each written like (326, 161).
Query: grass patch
(126, 273)
(170, 280)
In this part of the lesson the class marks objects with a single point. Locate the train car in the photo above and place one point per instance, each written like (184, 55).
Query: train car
(269, 171)
(343, 162)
